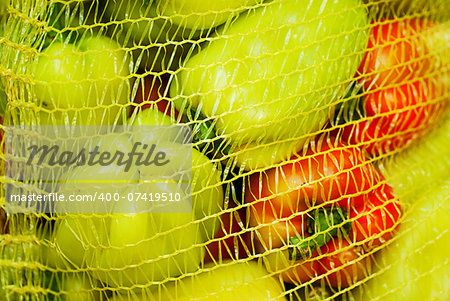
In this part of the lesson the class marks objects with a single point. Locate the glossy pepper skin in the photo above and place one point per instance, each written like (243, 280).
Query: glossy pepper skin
(168, 38)
(270, 75)
(201, 14)
(375, 221)
(419, 254)
(228, 282)
(125, 249)
(84, 83)
(193, 16)
(151, 93)
(418, 257)
(397, 52)
(343, 263)
(348, 259)
(299, 207)
(412, 176)
(232, 240)
(405, 82)
(154, 53)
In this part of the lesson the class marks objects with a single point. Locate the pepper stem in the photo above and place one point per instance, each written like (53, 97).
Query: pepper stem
(323, 225)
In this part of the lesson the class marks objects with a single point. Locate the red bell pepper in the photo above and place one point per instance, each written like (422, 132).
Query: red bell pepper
(404, 95)
(299, 208)
(152, 92)
(231, 240)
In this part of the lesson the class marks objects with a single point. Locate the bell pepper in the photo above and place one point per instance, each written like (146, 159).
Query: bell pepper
(59, 281)
(405, 88)
(312, 203)
(84, 83)
(172, 20)
(143, 31)
(414, 266)
(396, 117)
(159, 41)
(410, 174)
(408, 8)
(18, 252)
(231, 281)
(397, 53)
(165, 30)
(376, 219)
(202, 15)
(343, 263)
(152, 92)
(70, 286)
(141, 248)
(50, 256)
(232, 240)
(267, 80)
(410, 267)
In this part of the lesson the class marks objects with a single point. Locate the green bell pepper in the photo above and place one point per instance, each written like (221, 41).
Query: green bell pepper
(410, 174)
(269, 79)
(126, 249)
(70, 286)
(145, 28)
(19, 275)
(164, 30)
(415, 266)
(84, 83)
(231, 281)
(201, 14)
(77, 287)
(192, 16)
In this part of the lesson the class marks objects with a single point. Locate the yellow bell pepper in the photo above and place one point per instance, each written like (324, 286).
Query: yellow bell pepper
(232, 281)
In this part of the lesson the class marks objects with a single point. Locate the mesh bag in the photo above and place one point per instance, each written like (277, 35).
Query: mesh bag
(317, 160)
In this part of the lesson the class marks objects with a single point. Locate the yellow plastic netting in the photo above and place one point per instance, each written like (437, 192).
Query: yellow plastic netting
(310, 120)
